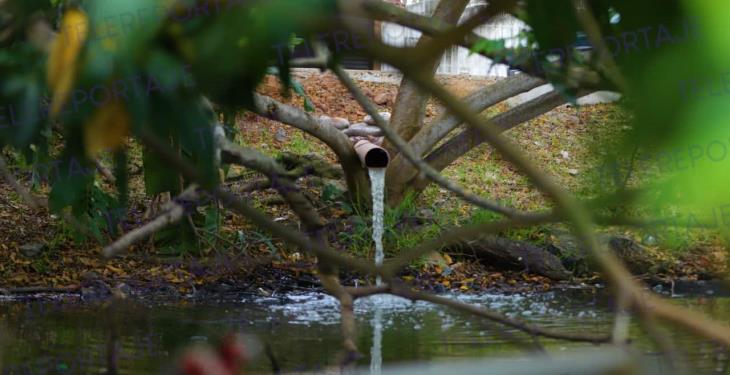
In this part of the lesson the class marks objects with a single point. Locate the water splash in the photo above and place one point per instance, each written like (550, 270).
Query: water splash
(377, 182)
(377, 186)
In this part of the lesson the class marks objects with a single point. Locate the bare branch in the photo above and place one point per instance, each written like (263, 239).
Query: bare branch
(355, 175)
(460, 144)
(477, 101)
(581, 219)
(171, 213)
(405, 149)
(399, 172)
(35, 202)
(406, 292)
(347, 316)
(320, 250)
(410, 103)
(24, 194)
(255, 160)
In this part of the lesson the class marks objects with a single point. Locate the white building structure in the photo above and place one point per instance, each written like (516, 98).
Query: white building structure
(457, 60)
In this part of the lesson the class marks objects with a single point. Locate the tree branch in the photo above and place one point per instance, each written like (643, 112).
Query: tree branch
(171, 213)
(579, 216)
(257, 161)
(400, 171)
(229, 200)
(410, 104)
(347, 316)
(463, 142)
(355, 176)
(405, 149)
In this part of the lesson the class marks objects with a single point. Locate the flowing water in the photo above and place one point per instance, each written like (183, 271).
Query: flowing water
(377, 183)
(61, 336)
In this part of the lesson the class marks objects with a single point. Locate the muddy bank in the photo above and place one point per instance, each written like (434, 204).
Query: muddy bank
(277, 281)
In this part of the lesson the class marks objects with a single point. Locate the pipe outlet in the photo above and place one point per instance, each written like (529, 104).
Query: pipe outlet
(372, 155)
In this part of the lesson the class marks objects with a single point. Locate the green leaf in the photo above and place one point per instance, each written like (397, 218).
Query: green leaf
(487, 46)
(158, 176)
(299, 90)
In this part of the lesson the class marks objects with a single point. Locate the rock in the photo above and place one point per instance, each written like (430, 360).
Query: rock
(411, 223)
(599, 97)
(382, 99)
(95, 290)
(336, 122)
(576, 258)
(369, 120)
(439, 289)
(363, 130)
(426, 213)
(649, 240)
(281, 135)
(516, 255)
(32, 249)
(330, 183)
(355, 221)
(633, 254)
(121, 291)
(573, 172)
(565, 155)
(89, 276)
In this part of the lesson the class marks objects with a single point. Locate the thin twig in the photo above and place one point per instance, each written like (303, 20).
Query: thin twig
(574, 211)
(531, 329)
(29, 199)
(408, 153)
(229, 200)
(35, 202)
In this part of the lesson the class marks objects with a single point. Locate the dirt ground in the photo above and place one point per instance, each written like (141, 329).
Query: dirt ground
(64, 263)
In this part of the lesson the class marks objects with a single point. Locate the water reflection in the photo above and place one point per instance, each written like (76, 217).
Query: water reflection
(376, 352)
(303, 330)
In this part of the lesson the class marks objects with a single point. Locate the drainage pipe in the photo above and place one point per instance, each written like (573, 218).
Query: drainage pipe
(372, 155)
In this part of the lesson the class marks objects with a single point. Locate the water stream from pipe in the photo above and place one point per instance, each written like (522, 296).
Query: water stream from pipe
(377, 181)
(377, 186)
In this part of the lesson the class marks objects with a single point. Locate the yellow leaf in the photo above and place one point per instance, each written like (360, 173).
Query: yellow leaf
(62, 61)
(114, 269)
(107, 128)
(448, 259)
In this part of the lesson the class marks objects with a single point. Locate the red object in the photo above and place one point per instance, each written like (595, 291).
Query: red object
(229, 359)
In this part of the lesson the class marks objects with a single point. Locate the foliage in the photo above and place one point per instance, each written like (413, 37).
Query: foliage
(170, 56)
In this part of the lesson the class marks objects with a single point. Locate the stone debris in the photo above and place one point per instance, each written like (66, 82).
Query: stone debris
(369, 120)
(31, 250)
(281, 135)
(383, 98)
(337, 122)
(363, 130)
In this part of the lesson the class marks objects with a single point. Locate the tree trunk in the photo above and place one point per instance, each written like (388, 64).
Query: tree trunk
(356, 177)
(401, 171)
(409, 108)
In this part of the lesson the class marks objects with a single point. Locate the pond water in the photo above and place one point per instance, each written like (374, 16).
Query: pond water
(57, 336)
